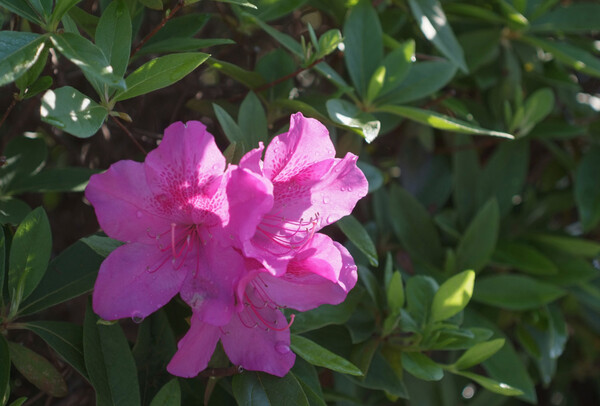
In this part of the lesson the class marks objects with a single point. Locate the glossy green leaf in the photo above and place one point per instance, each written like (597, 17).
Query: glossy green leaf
(395, 292)
(375, 84)
(492, 385)
(278, 64)
(452, 296)
(421, 366)
(27, 80)
(24, 9)
(346, 113)
(257, 388)
(435, 27)
(113, 36)
(29, 255)
(87, 56)
(18, 53)
(523, 257)
(159, 73)
(169, 395)
(440, 121)
(478, 353)
(414, 227)
(109, 363)
(363, 44)
(515, 292)
(65, 338)
(356, 233)
(61, 8)
(319, 356)
(25, 156)
(4, 370)
(587, 192)
(37, 370)
(72, 111)
(574, 18)
(571, 245)
(477, 244)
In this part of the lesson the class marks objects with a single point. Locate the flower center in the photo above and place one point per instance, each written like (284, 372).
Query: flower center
(260, 309)
(287, 235)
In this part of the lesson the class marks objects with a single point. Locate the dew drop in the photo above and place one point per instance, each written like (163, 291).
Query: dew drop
(139, 214)
(325, 199)
(137, 317)
(281, 347)
(349, 189)
(343, 189)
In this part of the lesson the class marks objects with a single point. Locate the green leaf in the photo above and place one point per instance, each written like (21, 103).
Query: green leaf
(56, 180)
(232, 131)
(395, 292)
(29, 255)
(328, 42)
(346, 113)
(492, 385)
(19, 402)
(87, 56)
(363, 44)
(536, 108)
(478, 353)
(440, 121)
(113, 36)
(414, 227)
(72, 111)
(481, 47)
(257, 388)
(70, 274)
(479, 240)
(12, 211)
(587, 193)
(103, 246)
(381, 376)
(18, 53)
(40, 85)
(153, 4)
(2, 274)
(109, 363)
(159, 73)
(253, 121)
(571, 270)
(571, 245)
(434, 25)
(421, 366)
(571, 55)
(373, 175)
(182, 45)
(327, 314)
(4, 370)
(356, 233)
(169, 395)
(60, 9)
(242, 3)
(278, 64)
(574, 18)
(465, 171)
(37, 370)
(24, 9)
(32, 74)
(452, 296)
(321, 357)
(515, 292)
(309, 380)
(65, 338)
(397, 65)
(248, 78)
(375, 84)
(420, 291)
(524, 257)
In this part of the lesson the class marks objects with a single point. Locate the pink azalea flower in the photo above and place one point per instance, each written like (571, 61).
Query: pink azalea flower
(311, 189)
(180, 214)
(257, 337)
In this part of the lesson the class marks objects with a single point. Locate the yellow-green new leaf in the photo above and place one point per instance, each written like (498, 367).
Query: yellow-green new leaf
(452, 296)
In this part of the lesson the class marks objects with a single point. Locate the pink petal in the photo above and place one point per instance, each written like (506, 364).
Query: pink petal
(122, 201)
(251, 160)
(258, 348)
(194, 349)
(305, 143)
(183, 171)
(132, 283)
(209, 288)
(348, 274)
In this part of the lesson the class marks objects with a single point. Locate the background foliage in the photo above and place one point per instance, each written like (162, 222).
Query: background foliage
(476, 124)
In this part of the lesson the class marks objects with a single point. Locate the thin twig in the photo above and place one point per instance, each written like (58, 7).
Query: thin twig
(137, 144)
(8, 110)
(152, 33)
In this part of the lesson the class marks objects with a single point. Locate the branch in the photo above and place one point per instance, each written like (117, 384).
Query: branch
(129, 134)
(152, 33)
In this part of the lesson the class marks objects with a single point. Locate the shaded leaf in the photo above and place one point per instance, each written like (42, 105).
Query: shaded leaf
(478, 353)
(587, 192)
(18, 52)
(479, 240)
(319, 356)
(356, 233)
(421, 366)
(169, 395)
(257, 388)
(38, 370)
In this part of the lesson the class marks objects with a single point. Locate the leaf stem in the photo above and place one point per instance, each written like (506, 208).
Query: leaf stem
(129, 134)
(152, 33)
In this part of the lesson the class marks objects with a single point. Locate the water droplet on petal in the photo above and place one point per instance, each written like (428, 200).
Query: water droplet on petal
(139, 214)
(343, 189)
(349, 189)
(137, 317)
(325, 199)
(281, 347)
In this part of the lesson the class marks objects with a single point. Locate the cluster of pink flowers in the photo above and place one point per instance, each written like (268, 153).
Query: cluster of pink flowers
(238, 242)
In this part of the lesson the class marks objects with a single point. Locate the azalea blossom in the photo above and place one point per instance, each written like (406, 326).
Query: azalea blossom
(181, 214)
(257, 337)
(311, 189)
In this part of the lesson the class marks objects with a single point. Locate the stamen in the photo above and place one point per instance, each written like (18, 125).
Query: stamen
(272, 326)
(288, 234)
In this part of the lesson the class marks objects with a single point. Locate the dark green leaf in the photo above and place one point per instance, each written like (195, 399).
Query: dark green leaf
(257, 388)
(252, 121)
(381, 376)
(356, 233)
(242, 3)
(38, 370)
(18, 53)
(232, 131)
(346, 113)
(492, 385)
(319, 356)
(41, 84)
(452, 296)
(12, 211)
(24, 9)
(434, 25)
(268, 10)
(571, 270)
(169, 395)
(87, 56)
(363, 44)
(420, 291)
(481, 46)
(29, 255)
(514, 292)
(184, 26)
(479, 240)
(574, 18)
(25, 156)
(113, 36)
(587, 192)
(414, 227)
(309, 380)
(109, 363)
(524, 257)
(278, 64)
(4, 370)
(32, 74)
(373, 175)
(465, 168)
(440, 121)
(61, 8)
(159, 73)
(153, 4)
(395, 292)
(56, 180)
(421, 366)
(248, 78)
(183, 45)
(72, 111)
(397, 65)
(478, 353)
(327, 314)
(101, 245)
(65, 338)
(19, 402)
(571, 245)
